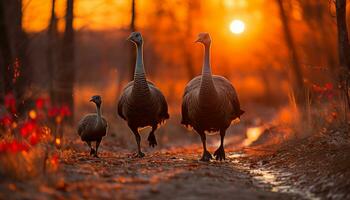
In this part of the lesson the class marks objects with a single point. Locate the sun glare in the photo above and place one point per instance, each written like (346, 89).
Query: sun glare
(237, 26)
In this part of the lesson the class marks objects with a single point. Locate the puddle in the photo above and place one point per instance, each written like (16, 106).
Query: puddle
(236, 155)
(276, 180)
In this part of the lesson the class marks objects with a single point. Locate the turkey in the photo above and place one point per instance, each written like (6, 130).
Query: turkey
(141, 103)
(210, 103)
(93, 127)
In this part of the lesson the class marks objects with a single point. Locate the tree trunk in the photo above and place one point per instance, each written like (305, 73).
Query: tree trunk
(189, 27)
(52, 35)
(66, 73)
(343, 40)
(315, 12)
(132, 49)
(22, 71)
(6, 70)
(297, 76)
(343, 50)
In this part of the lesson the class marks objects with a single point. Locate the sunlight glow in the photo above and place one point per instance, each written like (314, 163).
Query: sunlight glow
(253, 133)
(58, 141)
(237, 26)
(32, 114)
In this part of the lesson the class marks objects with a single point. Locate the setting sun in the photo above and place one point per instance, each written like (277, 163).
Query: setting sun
(237, 26)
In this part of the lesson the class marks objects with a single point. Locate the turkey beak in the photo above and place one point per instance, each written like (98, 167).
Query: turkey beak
(91, 100)
(129, 38)
(198, 40)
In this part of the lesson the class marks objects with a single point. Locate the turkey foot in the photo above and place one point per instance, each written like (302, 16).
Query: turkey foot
(220, 153)
(152, 140)
(92, 152)
(206, 156)
(139, 155)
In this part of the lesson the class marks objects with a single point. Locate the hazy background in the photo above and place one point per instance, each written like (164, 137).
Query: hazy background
(256, 61)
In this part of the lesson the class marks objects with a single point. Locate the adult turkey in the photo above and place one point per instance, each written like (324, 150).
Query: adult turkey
(210, 103)
(142, 103)
(93, 127)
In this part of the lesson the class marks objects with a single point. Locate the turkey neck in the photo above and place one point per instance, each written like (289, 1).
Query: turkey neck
(207, 92)
(140, 88)
(99, 118)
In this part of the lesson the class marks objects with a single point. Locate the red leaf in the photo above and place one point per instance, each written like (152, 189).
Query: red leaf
(10, 102)
(328, 86)
(65, 111)
(16, 146)
(34, 139)
(39, 103)
(53, 112)
(6, 120)
(28, 128)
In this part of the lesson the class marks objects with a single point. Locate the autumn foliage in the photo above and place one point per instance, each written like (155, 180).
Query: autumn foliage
(27, 145)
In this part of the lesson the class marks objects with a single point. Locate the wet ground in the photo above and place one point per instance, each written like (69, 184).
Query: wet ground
(316, 167)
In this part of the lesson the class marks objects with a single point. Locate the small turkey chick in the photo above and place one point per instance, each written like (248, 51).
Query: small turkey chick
(92, 127)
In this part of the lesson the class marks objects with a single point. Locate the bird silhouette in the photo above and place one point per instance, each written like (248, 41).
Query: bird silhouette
(210, 103)
(141, 103)
(93, 127)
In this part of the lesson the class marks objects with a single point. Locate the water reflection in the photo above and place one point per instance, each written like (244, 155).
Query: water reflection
(277, 180)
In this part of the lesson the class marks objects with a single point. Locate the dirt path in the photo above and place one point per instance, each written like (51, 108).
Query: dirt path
(173, 173)
(302, 169)
(170, 171)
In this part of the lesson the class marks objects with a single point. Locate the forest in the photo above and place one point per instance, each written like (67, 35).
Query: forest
(177, 99)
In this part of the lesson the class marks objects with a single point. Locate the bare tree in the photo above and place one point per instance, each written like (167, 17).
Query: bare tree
(192, 6)
(343, 40)
(315, 15)
(6, 71)
(66, 73)
(297, 84)
(21, 71)
(343, 47)
(129, 73)
(52, 35)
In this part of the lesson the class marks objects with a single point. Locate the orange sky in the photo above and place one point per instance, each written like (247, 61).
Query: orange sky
(110, 14)
(260, 47)
(90, 14)
(170, 17)
(260, 18)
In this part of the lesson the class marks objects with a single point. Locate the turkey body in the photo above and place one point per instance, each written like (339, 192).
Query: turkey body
(147, 110)
(141, 103)
(210, 103)
(213, 113)
(93, 127)
(89, 129)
